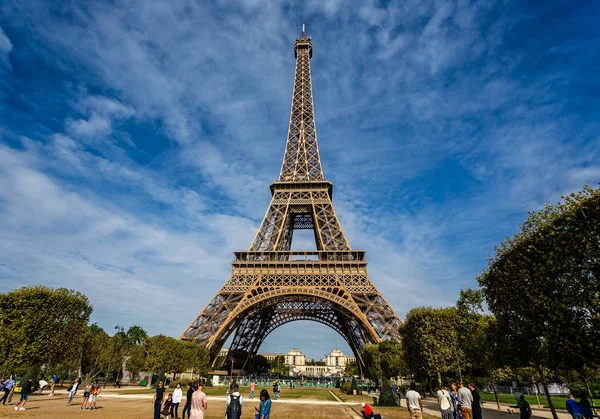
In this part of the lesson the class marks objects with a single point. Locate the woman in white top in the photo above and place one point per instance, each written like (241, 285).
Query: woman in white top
(177, 396)
(445, 401)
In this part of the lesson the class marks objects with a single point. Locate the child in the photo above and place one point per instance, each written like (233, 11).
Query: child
(166, 411)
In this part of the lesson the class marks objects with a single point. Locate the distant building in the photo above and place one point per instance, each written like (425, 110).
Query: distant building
(335, 362)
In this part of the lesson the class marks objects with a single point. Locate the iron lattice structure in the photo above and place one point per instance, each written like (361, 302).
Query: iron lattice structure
(270, 284)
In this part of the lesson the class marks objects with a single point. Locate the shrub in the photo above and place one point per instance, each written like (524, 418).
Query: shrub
(386, 397)
(346, 387)
(354, 386)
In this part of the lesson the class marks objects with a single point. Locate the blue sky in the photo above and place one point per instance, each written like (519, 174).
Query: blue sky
(138, 140)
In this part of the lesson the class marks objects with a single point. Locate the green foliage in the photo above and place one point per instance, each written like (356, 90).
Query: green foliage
(392, 359)
(278, 366)
(346, 387)
(97, 352)
(42, 326)
(386, 359)
(430, 338)
(543, 284)
(372, 360)
(168, 355)
(354, 386)
(259, 365)
(351, 369)
(470, 301)
(386, 397)
(136, 361)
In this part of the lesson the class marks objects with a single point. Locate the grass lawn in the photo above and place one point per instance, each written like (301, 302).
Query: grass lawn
(350, 398)
(558, 401)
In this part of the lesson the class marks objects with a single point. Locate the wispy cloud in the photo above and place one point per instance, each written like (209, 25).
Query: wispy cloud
(140, 139)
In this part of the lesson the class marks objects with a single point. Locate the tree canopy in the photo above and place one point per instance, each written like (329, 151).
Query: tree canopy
(543, 286)
(40, 325)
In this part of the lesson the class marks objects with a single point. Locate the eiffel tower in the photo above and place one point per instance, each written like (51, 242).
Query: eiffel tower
(270, 284)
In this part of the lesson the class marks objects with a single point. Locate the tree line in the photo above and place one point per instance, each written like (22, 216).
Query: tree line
(45, 331)
(542, 324)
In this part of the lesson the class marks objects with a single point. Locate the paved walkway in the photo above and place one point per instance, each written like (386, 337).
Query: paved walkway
(490, 411)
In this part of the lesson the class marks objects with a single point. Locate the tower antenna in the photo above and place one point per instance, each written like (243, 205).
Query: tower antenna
(303, 30)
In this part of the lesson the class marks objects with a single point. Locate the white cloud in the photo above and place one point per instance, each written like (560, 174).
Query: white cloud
(412, 98)
(5, 49)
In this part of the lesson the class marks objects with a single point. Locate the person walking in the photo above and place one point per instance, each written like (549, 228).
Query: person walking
(72, 391)
(445, 402)
(454, 397)
(234, 403)
(477, 413)
(188, 400)
(252, 388)
(465, 400)
(9, 385)
(264, 409)
(177, 396)
(158, 397)
(199, 404)
(25, 394)
(523, 407)
(414, 402)
(573, 407)
(53, 383)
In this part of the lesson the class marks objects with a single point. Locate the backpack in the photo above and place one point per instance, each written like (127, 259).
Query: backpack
(234, 410)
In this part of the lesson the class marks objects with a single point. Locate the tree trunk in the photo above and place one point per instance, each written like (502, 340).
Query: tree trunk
(495, 392)
(151, 374)
(587, 387)
(548, 398)
(459, 370)
(430, 388)
(80, 369)
(439, 379)
(537, 394)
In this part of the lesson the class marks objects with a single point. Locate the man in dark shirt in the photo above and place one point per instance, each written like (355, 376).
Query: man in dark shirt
(25, 394)
(188, 400)
(160, 392)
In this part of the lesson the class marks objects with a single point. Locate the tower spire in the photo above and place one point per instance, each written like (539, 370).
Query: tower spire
(301, 161)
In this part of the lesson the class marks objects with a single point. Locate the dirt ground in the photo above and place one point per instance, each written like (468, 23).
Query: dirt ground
(136, 408)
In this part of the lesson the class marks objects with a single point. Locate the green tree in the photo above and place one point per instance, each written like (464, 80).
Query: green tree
(351, 369)
(543, 286)
(259, 365)
(392, 359)
(95, 352)
(470, 301)
(278, 366)
(372, 360)
(430, 339)
(159, 355)
(386, 397)
(42, 326)
(135, 361)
